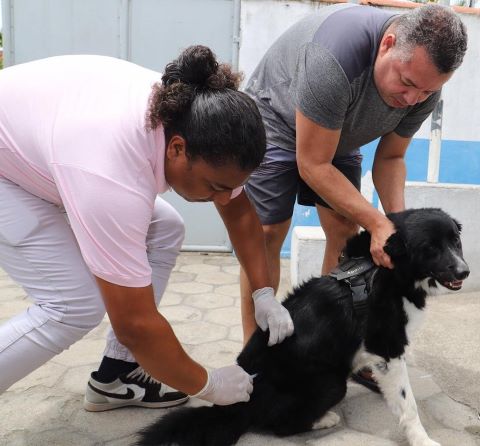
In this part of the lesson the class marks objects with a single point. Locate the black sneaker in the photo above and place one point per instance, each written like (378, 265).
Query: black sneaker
(136, 388)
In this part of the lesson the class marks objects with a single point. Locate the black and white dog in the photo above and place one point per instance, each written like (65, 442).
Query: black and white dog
(299, 380)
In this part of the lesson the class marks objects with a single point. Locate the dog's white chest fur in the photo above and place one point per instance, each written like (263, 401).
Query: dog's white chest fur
(415, 318)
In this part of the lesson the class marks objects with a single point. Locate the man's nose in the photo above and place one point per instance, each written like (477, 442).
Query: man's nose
(411, 97)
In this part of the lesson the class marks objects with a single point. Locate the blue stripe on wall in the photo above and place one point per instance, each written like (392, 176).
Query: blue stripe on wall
(459, 163)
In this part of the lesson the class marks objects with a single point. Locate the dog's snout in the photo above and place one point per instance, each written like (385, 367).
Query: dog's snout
(460, 270)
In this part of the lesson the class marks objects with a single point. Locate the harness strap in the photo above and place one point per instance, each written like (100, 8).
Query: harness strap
(358, 273)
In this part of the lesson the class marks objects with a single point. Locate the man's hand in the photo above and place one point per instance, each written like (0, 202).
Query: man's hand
(380, 234)
(271, 314)
(227, 385)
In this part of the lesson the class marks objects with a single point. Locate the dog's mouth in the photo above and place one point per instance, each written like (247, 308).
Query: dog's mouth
(452, 285)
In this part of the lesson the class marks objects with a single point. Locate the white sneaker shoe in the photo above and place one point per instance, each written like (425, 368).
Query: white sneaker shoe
(136, 388)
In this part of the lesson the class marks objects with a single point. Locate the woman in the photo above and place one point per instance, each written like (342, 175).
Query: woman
(95, 139)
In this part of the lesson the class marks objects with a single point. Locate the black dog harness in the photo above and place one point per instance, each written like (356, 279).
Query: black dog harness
(358, 273)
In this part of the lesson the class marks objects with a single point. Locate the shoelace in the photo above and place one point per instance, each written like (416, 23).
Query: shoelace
(143, 376)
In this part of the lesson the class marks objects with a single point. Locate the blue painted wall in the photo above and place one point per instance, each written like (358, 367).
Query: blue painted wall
(459, 163)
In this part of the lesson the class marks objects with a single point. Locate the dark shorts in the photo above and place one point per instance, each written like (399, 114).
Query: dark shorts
(275, 185)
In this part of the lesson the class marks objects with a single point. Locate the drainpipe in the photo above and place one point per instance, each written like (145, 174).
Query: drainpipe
(236, 33)
(435, 143)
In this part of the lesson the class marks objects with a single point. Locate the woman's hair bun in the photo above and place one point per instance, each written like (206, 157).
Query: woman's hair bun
(197, 66)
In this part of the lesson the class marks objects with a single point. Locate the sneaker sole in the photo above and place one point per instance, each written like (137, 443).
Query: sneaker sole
(101, 407)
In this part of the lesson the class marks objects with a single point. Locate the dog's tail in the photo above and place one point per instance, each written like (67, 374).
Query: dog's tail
(198, 426)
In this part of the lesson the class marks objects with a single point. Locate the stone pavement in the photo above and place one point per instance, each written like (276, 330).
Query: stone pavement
(202, 304)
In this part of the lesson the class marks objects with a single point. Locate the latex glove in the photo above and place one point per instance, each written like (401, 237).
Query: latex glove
(227, 385)
(271, 314)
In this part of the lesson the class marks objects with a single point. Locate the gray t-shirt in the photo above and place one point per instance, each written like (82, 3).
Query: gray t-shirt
(323, 65)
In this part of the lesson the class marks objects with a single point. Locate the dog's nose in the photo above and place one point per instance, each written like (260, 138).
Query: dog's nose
(462, 274)
(460, 270)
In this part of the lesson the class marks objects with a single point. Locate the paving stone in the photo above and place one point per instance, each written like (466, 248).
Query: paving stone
(450, 437)
(11, 293)
(188, 258)
(47, 375)
(209, 301)
(369, 414)
(75, 379)
(233, 269)
(85, 352)
(422, 384)
(217, 278)
(217, 354)
(180, 313)
(199, 332)
(170, 298)
(224, 316)
(31, 410)
(200, 269)
(250, 439)
(179, 277)
(12, 308)
(450, 413)
(236, 333)
(221, 260)
(228, 290)
(347, 437)
(190, 288)
(114, 424)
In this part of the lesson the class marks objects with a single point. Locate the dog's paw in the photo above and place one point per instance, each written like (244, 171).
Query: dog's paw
(330, 419)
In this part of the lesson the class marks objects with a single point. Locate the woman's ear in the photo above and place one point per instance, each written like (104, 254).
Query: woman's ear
(395, 246)
(176, 147)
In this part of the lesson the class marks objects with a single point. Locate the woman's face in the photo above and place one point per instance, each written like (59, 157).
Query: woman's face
(197, 180)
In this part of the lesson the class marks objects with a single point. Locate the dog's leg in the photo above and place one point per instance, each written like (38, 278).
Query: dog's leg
(330, 419)
(392, 376)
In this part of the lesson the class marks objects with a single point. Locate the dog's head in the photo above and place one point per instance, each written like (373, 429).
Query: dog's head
(427, 243)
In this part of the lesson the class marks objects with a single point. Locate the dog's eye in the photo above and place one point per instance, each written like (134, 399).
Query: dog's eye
(457, 241)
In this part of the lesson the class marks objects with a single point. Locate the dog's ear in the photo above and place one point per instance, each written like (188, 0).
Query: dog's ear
(395, 246)
(459, 225)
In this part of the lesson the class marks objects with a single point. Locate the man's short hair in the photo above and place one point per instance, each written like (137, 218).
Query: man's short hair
(436, 28)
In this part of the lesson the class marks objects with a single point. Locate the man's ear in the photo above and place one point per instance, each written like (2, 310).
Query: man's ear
(395, 246)
(387, 43)
(176, 147)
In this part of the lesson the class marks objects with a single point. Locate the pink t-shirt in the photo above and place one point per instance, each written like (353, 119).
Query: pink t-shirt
(72, 131)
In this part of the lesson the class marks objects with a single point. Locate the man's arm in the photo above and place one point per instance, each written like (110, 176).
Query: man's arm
(316, 147)
(246, 235)
(389, 171)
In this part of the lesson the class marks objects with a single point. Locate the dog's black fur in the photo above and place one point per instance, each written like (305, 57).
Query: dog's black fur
(304, 376)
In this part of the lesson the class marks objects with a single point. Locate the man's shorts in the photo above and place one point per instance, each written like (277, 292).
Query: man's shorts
(276, 183)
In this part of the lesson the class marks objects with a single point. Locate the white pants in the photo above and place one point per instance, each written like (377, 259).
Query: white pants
(39, 251)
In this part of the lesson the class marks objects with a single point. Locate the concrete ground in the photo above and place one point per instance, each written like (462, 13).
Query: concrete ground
(202, 304)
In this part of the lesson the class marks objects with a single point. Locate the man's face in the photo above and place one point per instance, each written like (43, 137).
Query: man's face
(404, 83)
(197, 180)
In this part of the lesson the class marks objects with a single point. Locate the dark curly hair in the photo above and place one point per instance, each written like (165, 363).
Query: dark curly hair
(198, 100)
(436, 28)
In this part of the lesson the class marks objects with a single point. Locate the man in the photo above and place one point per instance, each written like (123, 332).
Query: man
(333, 82)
